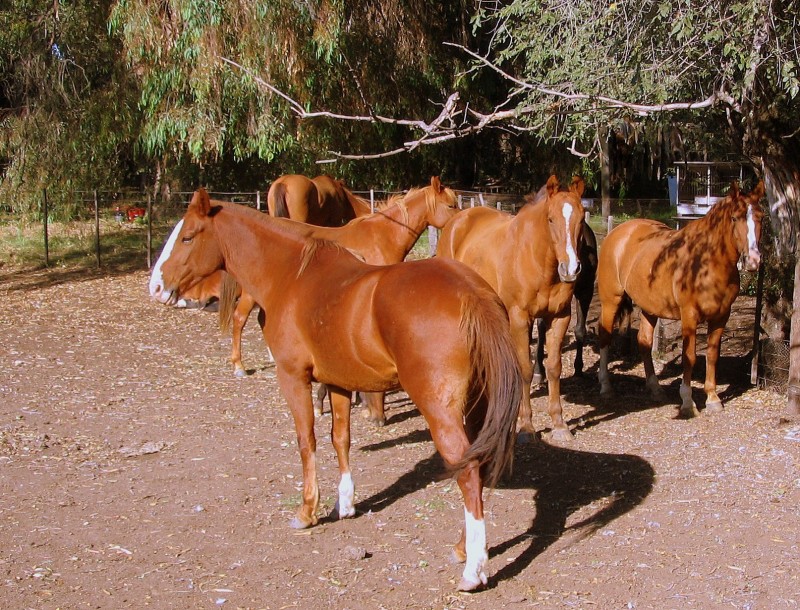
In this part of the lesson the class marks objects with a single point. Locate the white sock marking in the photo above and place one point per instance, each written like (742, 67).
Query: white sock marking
(477, 557)
(345, 506)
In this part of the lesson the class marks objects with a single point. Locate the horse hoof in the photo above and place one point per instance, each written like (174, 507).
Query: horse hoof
(561, 436)
(714, 407)
(240, 373)
(378, 421)
(300, 524)
(526, 437)
(337, 513)
(467, 584)
(458, 556)
(688, 412)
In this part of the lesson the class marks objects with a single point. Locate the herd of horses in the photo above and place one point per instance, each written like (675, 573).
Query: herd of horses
(338, 306)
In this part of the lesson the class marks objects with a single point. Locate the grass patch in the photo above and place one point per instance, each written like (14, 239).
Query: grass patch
(123, 245)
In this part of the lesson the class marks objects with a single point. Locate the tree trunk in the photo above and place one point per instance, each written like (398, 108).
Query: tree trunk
(605, 175)
(781, 178)
(793, 403)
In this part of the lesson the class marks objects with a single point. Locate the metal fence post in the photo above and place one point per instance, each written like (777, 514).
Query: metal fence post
(96, 228)
(45, 213)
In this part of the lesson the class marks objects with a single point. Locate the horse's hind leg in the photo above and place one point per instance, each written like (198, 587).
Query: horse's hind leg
(340, 435)
(605, 326)
(713, 401)
(647, 324)
(451, 441)
(689, 356)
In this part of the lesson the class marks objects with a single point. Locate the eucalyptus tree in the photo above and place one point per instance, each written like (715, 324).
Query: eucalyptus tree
(373, 57)
(66, 107)
(733, 67)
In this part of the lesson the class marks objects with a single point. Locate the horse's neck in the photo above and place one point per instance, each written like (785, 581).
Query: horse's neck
(717, 227)
(247, 242)
(360, 206)
(404, 222)
(533, 220)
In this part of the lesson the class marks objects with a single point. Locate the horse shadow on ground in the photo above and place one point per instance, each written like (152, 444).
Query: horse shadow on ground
(630, 394)
(562, 482)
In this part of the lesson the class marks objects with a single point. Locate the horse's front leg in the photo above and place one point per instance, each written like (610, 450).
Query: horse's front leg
(715, 330)
(245, 305)
(521, 334)
(340, 435)
(647, 326)
(296, 389)
(581, 311)
(689, 332)
(555, 340)
(538, 360)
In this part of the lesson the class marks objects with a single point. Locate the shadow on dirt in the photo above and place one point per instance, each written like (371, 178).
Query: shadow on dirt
(563, 482)
(631, 395)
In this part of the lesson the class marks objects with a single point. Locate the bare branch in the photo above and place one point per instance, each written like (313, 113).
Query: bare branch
(643, 109)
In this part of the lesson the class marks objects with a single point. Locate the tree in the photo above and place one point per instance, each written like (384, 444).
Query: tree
(66, 106)
(575, 69)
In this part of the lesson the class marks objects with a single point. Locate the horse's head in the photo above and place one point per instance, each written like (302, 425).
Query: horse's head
(746, 216)
(565, 223)
(442, 203)
(195, 253)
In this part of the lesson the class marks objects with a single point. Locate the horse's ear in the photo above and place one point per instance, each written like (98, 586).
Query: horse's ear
(758, 192)
(734, 192)
(200, 202)
(552, 185)
(577, 186)
(436, 184)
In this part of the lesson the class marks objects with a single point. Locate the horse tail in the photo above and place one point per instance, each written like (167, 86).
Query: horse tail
(496, 390)
(228, 293)
(279, 195)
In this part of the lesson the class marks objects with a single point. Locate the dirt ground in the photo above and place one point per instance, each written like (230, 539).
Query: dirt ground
(137, 472)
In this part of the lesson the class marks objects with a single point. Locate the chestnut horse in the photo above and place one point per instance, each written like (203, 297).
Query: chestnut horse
(382, 238)
(531, 260)
(584, 292)
(339, 321)
(689, 275)
(322, 201)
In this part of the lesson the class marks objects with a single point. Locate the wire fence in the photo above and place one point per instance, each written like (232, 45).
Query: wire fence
(113, 225)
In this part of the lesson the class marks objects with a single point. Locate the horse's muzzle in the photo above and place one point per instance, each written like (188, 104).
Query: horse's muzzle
(564, 273)
(752, 260)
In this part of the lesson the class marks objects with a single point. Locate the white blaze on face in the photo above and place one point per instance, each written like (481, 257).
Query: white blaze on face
(156, 280)
(572, 269)
(752, 244)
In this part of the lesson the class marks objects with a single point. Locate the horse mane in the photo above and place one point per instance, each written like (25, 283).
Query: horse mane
(315, 244)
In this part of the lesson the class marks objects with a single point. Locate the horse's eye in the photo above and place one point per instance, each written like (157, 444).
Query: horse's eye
(187, 240)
